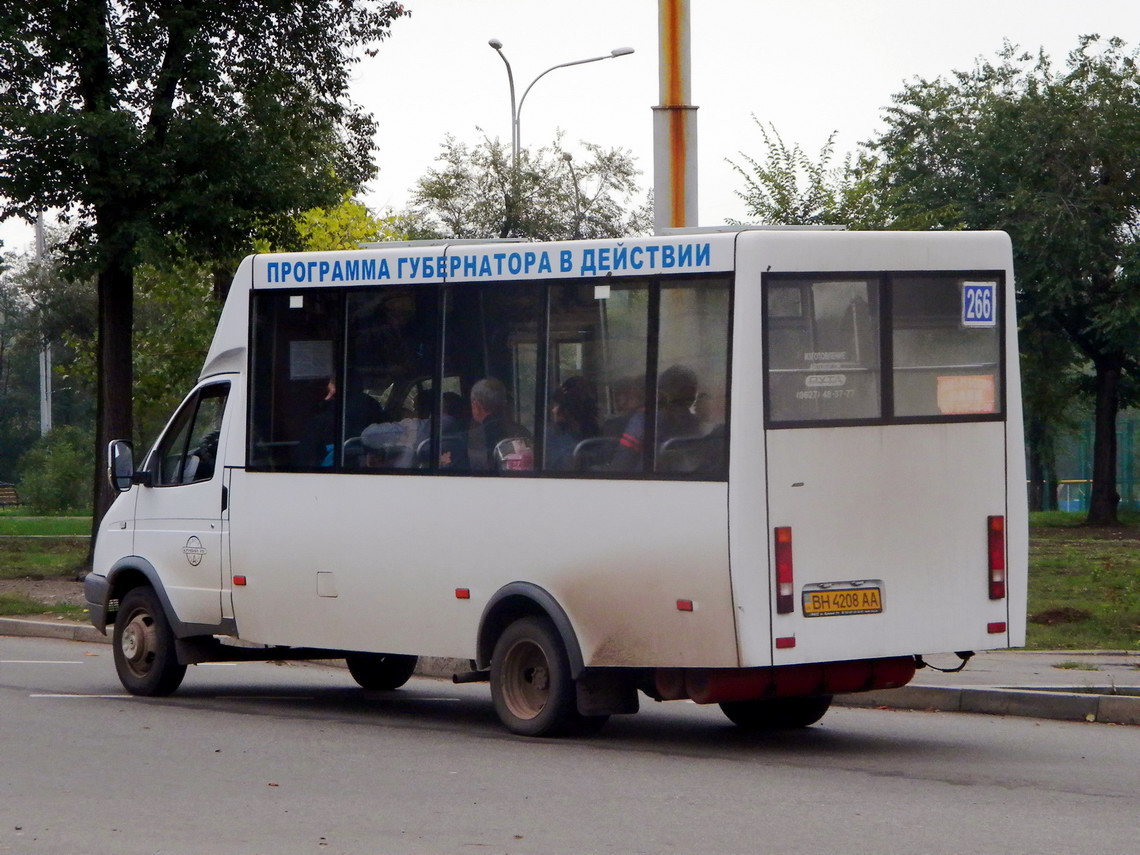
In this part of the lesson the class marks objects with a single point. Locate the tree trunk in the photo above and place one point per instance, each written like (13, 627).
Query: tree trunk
(114, 373)
(1038, 471)
(1104, 499)
(1042, 460)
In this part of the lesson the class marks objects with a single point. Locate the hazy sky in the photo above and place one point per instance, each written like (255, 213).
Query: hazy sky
(809, 67)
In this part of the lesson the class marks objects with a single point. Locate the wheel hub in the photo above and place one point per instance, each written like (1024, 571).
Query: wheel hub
(527, 684)
(137, 642)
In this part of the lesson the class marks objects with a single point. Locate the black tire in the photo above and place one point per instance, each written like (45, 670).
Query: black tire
(777, 713)
(145, 655)
(381, 672)
(531, 686)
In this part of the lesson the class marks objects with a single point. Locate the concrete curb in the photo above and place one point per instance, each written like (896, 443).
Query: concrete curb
(67, 630)
(1052, 703)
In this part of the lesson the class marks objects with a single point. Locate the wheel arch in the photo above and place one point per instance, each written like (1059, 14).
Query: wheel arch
(519, 600)
(135, 571)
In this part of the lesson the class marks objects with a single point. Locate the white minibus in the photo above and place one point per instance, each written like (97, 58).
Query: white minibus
(750, 467)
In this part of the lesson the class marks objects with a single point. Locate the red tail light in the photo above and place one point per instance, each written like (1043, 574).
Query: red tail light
(996, 546)
(785, 584)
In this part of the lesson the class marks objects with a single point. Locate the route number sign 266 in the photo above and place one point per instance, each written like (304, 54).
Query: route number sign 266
(979, 304)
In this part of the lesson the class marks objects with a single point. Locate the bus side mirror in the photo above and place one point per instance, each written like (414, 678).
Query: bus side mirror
(120, 465)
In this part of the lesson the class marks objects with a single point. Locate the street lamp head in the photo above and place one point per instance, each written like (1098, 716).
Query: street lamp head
(621, 51)
(496, 44)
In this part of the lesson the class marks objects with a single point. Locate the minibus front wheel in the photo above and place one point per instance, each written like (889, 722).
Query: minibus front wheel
(143, 645)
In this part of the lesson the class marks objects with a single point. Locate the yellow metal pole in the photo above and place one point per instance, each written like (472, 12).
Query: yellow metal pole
(674, 124)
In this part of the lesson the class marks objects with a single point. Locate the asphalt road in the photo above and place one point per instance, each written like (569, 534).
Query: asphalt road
(281, 759)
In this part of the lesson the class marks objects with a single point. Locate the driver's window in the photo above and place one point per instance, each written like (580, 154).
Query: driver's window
(188, 452)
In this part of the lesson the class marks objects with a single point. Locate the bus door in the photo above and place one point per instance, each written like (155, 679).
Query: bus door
(179, 516)
(886, 463)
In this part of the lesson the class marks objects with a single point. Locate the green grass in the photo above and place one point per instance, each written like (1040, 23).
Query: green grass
(1076, 519)
(1084, 588)
(42, 558)
(14, 604)
(15, 524)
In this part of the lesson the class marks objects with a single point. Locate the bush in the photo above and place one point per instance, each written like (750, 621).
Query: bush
(55, 473)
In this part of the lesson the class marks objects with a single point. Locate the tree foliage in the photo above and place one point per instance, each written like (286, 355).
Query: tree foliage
(1052, 156)
(55, 471)
(40, 309)
(476, 193)
(787, 187)
(345, 225)
(198, 123)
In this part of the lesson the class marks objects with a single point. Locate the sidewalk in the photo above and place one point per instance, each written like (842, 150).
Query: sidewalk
(1100, 686)
(1095, 686)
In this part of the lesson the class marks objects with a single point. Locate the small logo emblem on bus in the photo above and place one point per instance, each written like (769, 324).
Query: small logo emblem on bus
(194, 551)
(815, 380)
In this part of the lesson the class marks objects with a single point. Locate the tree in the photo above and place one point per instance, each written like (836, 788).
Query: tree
(786, 187)
(1051, 383)
(151, 121)
(1052, 156)
(346, 225)
(41, 309)
(476, 193)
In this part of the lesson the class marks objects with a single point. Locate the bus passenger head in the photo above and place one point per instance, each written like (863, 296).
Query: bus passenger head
(489, 400)
(677, 387)
(575, 406)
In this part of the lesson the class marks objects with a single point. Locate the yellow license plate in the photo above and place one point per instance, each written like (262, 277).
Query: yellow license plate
(842, 601)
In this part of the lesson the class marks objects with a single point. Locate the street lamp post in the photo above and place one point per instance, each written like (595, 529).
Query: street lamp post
(577, 233)
(516, 110)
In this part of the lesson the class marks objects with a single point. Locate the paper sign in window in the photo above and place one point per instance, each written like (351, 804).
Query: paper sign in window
(960, 395)
(310, 360)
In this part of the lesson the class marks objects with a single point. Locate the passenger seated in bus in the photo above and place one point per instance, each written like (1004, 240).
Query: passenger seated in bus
(490, 410)
(573, 418)
(453, 434)
(317, 446)
(455, 421)
(676, 395)
(710, 408)
(628, 397)
(395, 444)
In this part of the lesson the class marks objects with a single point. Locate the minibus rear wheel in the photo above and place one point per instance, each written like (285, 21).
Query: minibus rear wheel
(531, 686)
(380, 672)
(777, 713)
(143, 645)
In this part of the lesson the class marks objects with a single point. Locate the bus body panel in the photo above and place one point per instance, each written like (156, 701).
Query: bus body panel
(905, 504)
(902, 509)
(398, 547)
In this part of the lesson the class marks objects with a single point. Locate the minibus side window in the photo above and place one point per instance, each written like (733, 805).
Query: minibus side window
(392, 348)
(596, 369)
(491, 343)
(692, 378)
(295, 379)
(188, 453)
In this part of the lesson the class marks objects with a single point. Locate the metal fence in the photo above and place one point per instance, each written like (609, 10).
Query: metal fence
(1074, 466)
